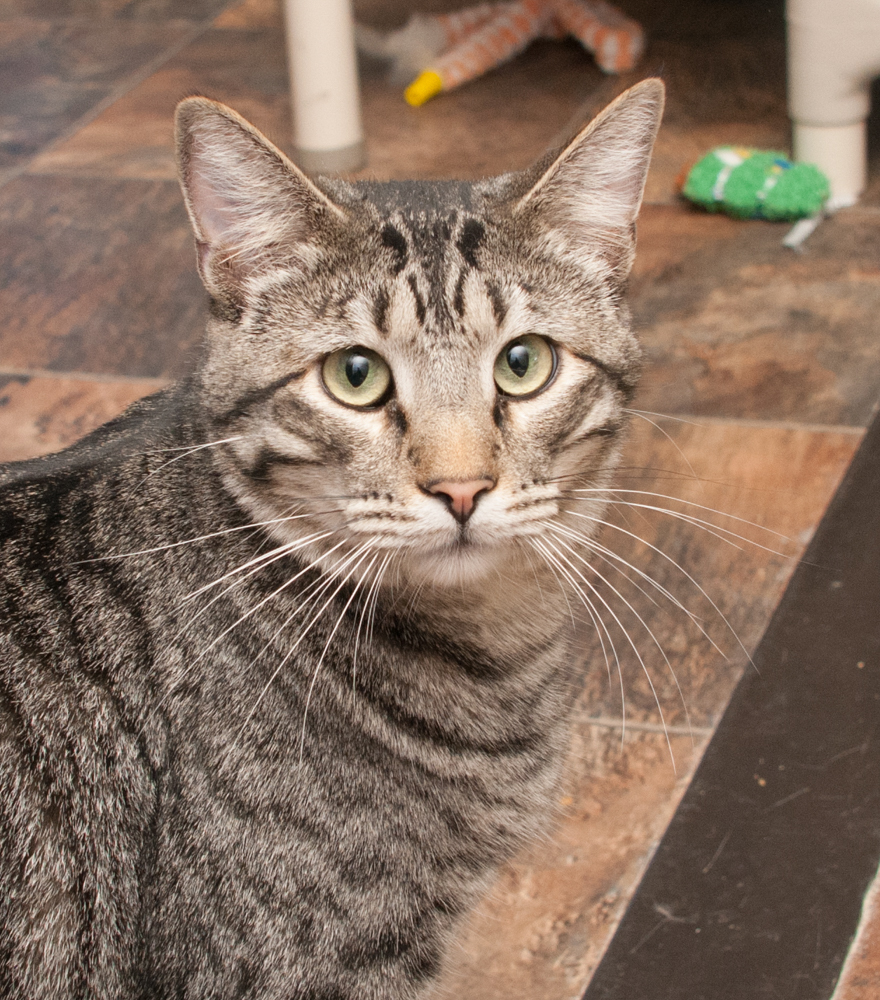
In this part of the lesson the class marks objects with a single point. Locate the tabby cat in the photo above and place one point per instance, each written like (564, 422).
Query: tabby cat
(286, 665)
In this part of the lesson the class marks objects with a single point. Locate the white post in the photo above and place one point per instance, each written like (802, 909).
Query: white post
(833, 53)
(328, 135)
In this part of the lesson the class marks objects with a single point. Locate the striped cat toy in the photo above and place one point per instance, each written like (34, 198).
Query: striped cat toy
(450, 49)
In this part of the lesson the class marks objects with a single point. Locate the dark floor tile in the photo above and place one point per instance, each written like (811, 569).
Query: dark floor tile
(134, 137)
(97, 276)
(736, 325)
(51, 74)
(757, 886)
(125, 10)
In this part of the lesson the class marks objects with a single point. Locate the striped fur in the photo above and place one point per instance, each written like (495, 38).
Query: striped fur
(210, 787)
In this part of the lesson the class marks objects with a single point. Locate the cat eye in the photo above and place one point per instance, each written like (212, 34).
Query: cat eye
(525, 365)
(356, 376)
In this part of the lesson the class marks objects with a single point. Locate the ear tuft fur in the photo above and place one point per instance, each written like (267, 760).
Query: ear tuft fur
(246, 200)
(590, 195)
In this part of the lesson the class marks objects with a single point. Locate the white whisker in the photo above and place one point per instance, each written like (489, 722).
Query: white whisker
(360, 551)
(598, 623)
(189, 451)
(641, 621)
(317, 670)
(689, 503)
(681, 569)
(260, 560)
(368, 598)
(669, 438)
(266, 600)
(607, 555)
(199, 538)
(628, 638)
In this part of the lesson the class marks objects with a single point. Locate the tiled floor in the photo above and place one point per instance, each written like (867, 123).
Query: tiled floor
(765, 362)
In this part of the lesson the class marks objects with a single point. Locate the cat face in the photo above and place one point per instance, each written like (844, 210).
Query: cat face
(416, 371)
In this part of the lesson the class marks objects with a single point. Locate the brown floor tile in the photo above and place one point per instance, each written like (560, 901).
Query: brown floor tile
(52, 73)
(860, 978)
(736, 325)
(544, 926)
(252, 14)
(97, 276)
(778, 478)
(42, 415)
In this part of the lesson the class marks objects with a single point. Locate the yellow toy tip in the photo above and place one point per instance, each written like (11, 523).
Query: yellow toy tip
(425, 86)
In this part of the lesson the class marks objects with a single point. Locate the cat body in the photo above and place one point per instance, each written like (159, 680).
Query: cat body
(286, 664)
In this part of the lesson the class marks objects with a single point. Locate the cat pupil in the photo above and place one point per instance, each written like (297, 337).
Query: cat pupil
(518, 360)
(356, 370)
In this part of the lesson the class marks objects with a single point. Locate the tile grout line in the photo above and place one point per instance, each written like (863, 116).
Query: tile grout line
(606, 722)
(116, 93)
(31, 373)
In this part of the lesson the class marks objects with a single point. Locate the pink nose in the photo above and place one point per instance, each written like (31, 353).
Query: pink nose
(460, 497)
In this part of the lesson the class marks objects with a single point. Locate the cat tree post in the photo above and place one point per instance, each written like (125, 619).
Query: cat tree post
(833, 54)
(328, 135)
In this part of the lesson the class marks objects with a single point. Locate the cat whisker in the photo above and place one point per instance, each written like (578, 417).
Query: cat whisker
(264, 558)
(188, 624)
(313, 592)
(264, 601)
(364, 610)
(641, 621)
(718, 531)
(596, 618)
(371, 617)
(200, 538)
(688, 503)
(246, 576)
(333, 631)
(362, 550)
(678, 566)
(626, 635)
(664, 416)
(607, 555)
(187, 452)
(642, 414)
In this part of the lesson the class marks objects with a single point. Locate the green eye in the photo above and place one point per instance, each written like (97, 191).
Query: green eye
(356, 376)
(525, 365)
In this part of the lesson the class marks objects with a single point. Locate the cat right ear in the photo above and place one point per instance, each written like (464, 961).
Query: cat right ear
(250, 207)
(589, 196)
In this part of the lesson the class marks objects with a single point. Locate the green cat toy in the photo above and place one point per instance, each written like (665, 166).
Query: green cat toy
(756, 184)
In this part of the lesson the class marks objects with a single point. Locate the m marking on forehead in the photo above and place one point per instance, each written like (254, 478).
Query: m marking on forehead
(380, 310)
(394, 239)
(421, 311)
(499, 306)
(458, 295)
(472, 233)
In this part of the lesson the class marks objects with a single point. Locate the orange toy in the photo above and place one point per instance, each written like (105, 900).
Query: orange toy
(464, 44)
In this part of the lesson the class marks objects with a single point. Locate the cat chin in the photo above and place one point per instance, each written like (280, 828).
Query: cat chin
(458, 566)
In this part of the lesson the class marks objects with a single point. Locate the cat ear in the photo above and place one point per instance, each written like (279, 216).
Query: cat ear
(250, 207)
(590, 195)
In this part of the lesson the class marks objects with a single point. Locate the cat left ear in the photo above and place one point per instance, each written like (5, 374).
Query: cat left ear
(249, 205)
(590, 195)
